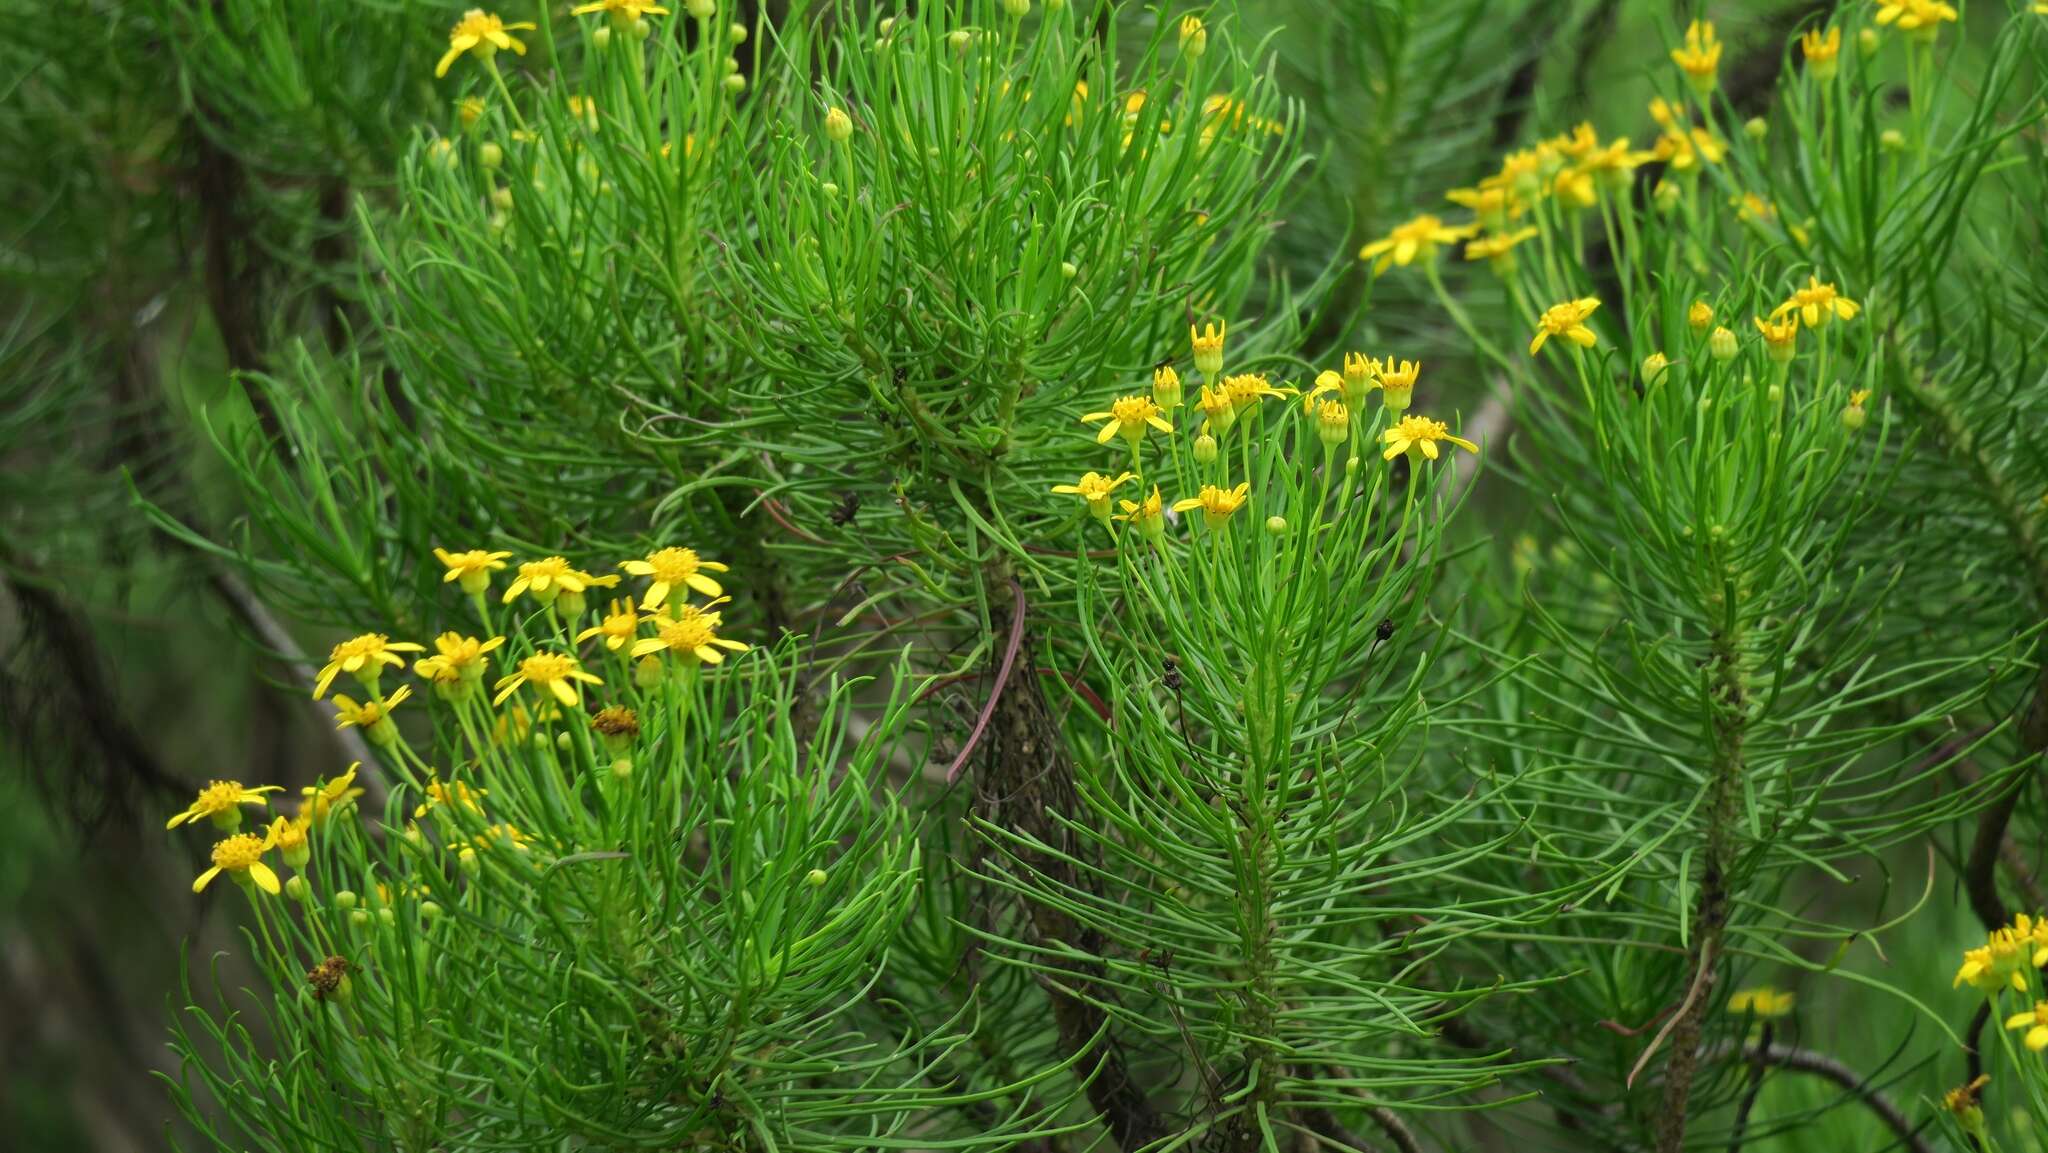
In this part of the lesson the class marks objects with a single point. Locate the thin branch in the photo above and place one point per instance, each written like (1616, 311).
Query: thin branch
(1822, 1065)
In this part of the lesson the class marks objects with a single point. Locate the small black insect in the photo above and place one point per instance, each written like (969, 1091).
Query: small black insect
(849, 507)
(1385, 631)
(1170, 675)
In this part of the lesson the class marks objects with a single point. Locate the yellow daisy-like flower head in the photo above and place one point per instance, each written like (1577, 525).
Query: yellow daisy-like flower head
(457, 659)
(1567, 321)
(452, 793)
(241, 858)
(1498, 247)
(2035, 1022)
(291, 836)
(1780, 337)
(1999, 963)
(1574, 187)
(221, 802)
(317, 802)
(1762, 1001)
(1095, 489)
(1218, 413)
(1128, 416)
(1420, 435)
(1361, 373)
(1700, 57)
(371, 716)
(1817, 304)
(1614, 163)
(556, 673)
(482, 33)
(671, 567)
(618, 628)
(1493, 205)
(1413, 240)
(1147, 516)
(545, 579)
(1683, 146)
(1333, 423)
(364, 657)
(1397, 383)
(1247, 389)
(1217, 504)
(624, 13)
(1923, 18)
(472, 569)
(691, 636)
(1166, 388)
(1208, 346)
(1700, 315)
(1821, 52)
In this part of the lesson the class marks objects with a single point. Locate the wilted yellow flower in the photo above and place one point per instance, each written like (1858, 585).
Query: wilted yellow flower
(1780, 337)
(1920, 17)
(1095, 489)
(1208, 346)
(1217, 504)
(1194, 39)
(469, 110)
(483, 33)
(1567, 320)
(371, 716)
(220, 802)
(1128, 416)
(318, 801)
(472, 569)
(555, 672)
(1701, 56)
(1762, 1001)
(671, 567)
(1961, 1102)
(1818, 303)
(364, 657)
(1821, 52)
(1421, 434)
(1218, 413)
(1412, 240)
(691, 635)
(1148, 516)
(241, 858)
(618, 628)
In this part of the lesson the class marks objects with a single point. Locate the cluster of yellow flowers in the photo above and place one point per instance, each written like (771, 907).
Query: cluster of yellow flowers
(1223, 401)
(240, 855)
(2004, 961)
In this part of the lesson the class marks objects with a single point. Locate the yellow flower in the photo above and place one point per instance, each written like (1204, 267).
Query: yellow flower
(363, 656)
(1417, 238)
(2035, 1022)
(690, 636)
(469, 110)
(456, 658)
(1419, 433)
(1961, 1102)
(1922, 17)
(1999, 963)
(1818, 303)
(241, 858)
(1128, 415)
(1821, 52)
(1700, 315)
(1208, 346)
(1575, 187)
(1701, 56)
(671, 567)
(1397, 382)
(290, 837)
(504, 834)
(1095, 489)
(1498, 247)
(1494, 205)
(1333, 423)
(546, 578)
(372, 716)
(1221, 111)
(483, 33)
(619, 626)
(1615, 162)
(1218, 413)
(1780, 337)
(1762, 1001)
(1166, 389)
(221, 801)
(473, 568)
(1149, 517)
(1361, 372)
(1567, 320)
(318, 801)
(1194, 39)
(555, 672)
(451, 793)
(622, 12)
(1521, 171)
(1217, 504)
(1246, 389)
(1683, 146)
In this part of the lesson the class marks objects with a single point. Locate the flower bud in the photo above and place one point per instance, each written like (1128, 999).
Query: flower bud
(1700, 315)
(295, 888)
(1166, 389)
(1276, 526)
(1194, 38)
(346, 899)
(1654, 366)
(1868, 42)
(386, 918)
(622, 768)
(830, 190)
(359, 918)
(838, 125)
(466, 859)
(1892, 140)
(1205, 449)
(1853, 416)
(601, 39)
(490, 156)
(1756, 128)
(429, 911)
(737, 33)
(640, 29)
(1721, 345)
(647, 674)
(960, 40)
(700, 9)
(1665, 196)
(735, 83)
(815, 878)
(1016, 9)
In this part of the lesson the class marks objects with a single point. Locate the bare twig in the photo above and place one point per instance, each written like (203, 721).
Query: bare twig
(1821, 1065)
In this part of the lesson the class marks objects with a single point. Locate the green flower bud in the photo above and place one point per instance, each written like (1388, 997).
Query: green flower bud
(346, 899)
(814, 878)
(1276, 525)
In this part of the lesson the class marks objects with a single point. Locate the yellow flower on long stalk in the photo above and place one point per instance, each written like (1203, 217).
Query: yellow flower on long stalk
(1683, 146)
(1413, 240)
(1821, 52)
(1361, 372)
(472, 569)
(371, 716)
(1095, 489)
(545, 579)
(453, 793)
(1566, 321)
(241, 858)
(1147, 516)
(691, 636)
(1817, 304)
(556, 673)
(317, 802)
(1921, 17)
(1397, 383)
(1700, 57)
(1493, 205)
(1248, 388)
(1419, 434)
(221, 802)
(1218, 413)
(1762, 1001)
(2035, 1022)
(457, 658)
(364, 657)
(1614, 163)
(1498, 247)
(1217, 504)
(482, 33)
(1129, 417)
(1780, 337)
(622, 12)
(290, 835)
(1333, 423)
(671, 567)
(618, 628)
(1208, 347)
